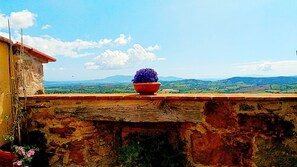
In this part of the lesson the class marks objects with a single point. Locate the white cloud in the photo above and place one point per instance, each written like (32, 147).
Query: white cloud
(77, 48)
(105, 41)
(52, 69)
(22, 19)
(112, 59)
(50, 45)
(54, 47)
(91, 66)
(46, 27)
(269, 68)
(118, 59)
(139, 53)
(122, 40)
(3, 34)
(265, 67)
(3, 21)
(152, 48)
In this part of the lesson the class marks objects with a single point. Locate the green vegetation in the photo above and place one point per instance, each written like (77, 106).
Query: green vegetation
(246, 107)
(182, 86)
(149, 151)
(274, 153)
(97, 88)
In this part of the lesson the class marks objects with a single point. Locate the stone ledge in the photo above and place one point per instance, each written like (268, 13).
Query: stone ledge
(200, 97)
(121, 107)
(145, 108)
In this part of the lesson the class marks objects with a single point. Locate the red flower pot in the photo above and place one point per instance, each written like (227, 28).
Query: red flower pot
(7, 158)
(147, 88)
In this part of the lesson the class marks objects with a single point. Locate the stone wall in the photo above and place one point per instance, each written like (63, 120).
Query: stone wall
(29, 73)
(217, 130)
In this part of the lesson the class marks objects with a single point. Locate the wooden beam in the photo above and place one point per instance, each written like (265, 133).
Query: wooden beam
(160, 110)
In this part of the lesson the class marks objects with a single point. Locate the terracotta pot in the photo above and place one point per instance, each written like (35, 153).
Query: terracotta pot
(7, 158)
(147, 88)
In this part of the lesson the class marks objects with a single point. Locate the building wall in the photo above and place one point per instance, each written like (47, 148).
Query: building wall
(29, 74)
(218, 130)
(28, 70)
(5, 96)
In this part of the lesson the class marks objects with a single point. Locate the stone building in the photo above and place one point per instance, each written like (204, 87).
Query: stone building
(29, 69)
(25, 63)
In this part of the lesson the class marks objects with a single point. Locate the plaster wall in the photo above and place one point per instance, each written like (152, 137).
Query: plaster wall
(5, 94)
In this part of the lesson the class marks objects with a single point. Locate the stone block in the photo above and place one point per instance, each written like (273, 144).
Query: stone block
(271, 106)
(215, 149)
(62, 132)
(220, 115)
(267, 124)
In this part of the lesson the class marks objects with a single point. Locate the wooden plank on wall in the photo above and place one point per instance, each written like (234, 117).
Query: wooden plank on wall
(134, 110)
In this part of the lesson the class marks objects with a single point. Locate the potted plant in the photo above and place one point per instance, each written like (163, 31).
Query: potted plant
(145, 81)
(16, 152)
(7, 158)
(25, 155)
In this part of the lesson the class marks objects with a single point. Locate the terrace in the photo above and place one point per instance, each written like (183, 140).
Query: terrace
(204, 129)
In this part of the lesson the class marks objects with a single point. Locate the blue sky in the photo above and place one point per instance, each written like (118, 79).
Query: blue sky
(94, 39)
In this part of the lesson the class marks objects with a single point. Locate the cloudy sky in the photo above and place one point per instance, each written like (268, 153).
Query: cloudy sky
(94, 39)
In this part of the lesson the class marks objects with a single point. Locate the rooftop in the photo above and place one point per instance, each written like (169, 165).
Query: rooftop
(6, 40)
(46, 58)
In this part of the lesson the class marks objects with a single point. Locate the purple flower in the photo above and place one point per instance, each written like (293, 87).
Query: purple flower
(145, 75)
(19, 163)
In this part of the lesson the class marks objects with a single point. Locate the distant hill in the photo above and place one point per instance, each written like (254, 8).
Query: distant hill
(170, 78)
(123, 84)
(127, 78)
(261, 80)
(229, 81)
(115, 79)
(112, 79)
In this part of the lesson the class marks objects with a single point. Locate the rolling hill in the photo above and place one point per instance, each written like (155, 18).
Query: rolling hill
(261, 80)
(122, 84)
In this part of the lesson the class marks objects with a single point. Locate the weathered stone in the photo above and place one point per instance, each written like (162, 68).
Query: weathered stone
(45, 114)
(66, 157)
(292, 109)
(222, 137)
(246, 107)
(268, 124)
(215, 149)
(130, 111)
(65, 122)
(220, 115)
(63, 132)
(54, 159)
(29, 74)
(271, 106)
(76, 145)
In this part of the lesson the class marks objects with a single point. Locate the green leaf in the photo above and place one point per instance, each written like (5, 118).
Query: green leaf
(11, 138)
(5, 137)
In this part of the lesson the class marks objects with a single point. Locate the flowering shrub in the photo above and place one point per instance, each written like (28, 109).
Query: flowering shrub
(25, 154)
(145, 75)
